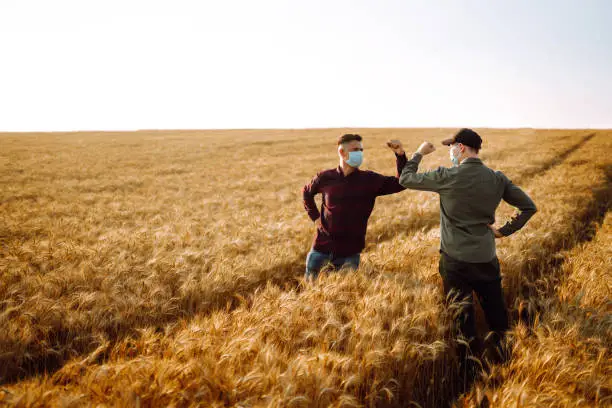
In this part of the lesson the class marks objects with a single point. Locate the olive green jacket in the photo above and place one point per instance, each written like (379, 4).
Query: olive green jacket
(469, 196)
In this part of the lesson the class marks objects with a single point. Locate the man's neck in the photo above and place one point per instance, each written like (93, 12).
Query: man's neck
(469, 156)
(346, 169)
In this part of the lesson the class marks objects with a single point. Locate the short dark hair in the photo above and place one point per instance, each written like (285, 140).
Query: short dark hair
(349, 137)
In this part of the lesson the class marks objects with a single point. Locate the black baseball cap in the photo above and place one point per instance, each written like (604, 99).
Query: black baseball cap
(466, 137)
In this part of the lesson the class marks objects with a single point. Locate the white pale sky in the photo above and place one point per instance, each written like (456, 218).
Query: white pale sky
(178, 64)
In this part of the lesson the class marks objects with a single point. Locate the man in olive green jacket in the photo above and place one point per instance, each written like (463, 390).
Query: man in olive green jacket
(470, 192)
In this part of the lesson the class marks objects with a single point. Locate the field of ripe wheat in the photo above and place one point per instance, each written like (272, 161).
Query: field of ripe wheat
(164, 268)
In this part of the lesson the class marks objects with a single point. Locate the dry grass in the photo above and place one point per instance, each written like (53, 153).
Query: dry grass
(163, 268)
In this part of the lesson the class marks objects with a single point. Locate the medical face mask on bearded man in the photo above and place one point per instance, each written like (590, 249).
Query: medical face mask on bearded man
(455, 154)
(465, 137)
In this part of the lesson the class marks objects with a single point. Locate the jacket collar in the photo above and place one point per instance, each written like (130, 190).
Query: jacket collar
(471, 160)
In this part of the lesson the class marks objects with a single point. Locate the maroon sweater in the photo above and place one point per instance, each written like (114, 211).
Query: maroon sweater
(347, 205)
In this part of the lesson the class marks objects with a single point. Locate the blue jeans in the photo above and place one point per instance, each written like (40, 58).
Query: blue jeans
(316, 260)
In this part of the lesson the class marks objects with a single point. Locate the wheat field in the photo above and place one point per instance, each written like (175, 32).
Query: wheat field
(164, 268)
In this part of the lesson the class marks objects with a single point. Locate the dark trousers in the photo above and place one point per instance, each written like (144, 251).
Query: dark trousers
(460, 280)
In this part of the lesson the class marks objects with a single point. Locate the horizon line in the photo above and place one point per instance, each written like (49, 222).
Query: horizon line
(292, 128)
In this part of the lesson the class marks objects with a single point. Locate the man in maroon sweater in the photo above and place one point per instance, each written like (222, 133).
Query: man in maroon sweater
(348, 199)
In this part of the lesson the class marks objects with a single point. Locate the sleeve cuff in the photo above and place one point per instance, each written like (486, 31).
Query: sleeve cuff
(315, 217)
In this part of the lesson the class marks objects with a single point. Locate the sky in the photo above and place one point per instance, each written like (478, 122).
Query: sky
(177, 64)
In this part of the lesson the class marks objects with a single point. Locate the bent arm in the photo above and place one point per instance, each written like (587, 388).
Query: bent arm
(516, 197)
(427, 181)
(308, 192)
(390, 184)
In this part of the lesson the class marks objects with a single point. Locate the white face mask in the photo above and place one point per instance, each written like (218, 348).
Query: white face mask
(453, 158)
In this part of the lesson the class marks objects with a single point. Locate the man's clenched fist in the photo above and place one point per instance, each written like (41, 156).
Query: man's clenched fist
(426, 148)
(396, 146)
